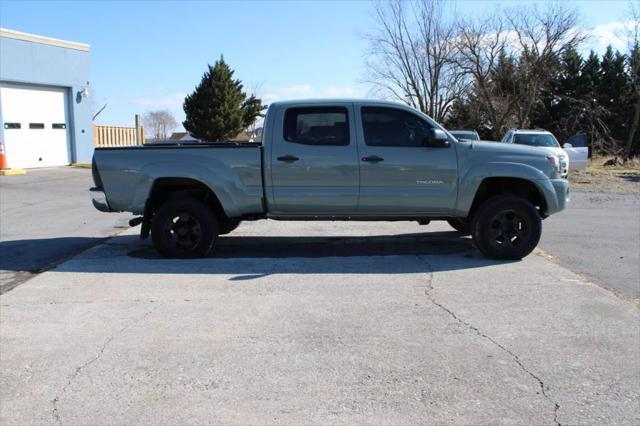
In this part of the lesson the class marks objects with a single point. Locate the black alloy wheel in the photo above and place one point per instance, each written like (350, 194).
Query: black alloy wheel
(506, 227)
(184, 228)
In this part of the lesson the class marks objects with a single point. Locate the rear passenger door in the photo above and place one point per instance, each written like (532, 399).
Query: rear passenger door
(399, 175)
(314, 161)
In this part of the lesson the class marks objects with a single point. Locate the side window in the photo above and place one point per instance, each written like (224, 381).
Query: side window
(317, 126)
(393, 127)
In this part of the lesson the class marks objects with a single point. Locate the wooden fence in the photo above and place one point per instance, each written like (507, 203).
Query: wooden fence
(107, 136)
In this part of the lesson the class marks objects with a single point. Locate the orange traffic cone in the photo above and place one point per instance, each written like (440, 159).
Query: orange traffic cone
(4, 170)
(3, 158)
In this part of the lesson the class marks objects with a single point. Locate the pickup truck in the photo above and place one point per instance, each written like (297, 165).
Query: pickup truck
(334, 160)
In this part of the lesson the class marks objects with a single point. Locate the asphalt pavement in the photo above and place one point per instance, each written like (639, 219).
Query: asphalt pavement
(317, 323)
(599, 236)
(46, 216)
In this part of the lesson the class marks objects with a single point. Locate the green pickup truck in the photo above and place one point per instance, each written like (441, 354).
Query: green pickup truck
(334, 160)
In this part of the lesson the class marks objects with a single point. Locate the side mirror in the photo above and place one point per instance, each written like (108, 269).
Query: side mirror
(567, 145)
(436, 139)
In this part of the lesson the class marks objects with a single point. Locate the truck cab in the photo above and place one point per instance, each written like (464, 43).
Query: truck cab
(356, 159)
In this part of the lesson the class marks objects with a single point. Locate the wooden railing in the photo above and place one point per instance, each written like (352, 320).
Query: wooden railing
(108, 136)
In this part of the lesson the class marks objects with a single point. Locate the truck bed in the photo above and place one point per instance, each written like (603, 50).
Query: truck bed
(232, 170)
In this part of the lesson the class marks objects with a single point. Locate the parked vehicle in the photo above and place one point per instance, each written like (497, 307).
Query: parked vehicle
(542, 139)
(578, 150)
(334, 160)
(469, 135)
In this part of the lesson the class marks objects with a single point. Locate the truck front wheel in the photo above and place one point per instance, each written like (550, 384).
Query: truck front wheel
(506, 227)
(460, 225)
(184, 228)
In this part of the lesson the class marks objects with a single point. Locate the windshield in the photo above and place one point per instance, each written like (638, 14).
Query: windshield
(536, 139)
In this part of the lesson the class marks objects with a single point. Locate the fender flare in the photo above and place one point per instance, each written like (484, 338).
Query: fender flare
(473, 178)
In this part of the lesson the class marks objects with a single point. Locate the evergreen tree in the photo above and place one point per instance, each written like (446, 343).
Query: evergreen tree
(566, 92)
(570, 75)
(613, 93)
(590, 77)
(547, 111)
(218, 109)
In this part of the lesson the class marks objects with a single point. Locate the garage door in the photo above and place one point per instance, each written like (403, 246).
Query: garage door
(36, 126)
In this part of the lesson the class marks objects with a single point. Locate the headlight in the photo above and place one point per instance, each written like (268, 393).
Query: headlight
(555, 162)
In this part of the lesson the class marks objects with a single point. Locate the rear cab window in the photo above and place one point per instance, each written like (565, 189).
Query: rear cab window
(317, 125)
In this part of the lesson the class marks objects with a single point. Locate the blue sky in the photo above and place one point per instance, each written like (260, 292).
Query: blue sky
(147, 55)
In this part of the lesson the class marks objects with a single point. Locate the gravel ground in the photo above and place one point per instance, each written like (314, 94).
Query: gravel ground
(606, 179)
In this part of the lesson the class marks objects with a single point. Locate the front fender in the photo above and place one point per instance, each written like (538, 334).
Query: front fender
(471, 179)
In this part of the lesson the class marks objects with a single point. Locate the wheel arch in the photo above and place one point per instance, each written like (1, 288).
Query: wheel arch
(166, 188)
(497, 185)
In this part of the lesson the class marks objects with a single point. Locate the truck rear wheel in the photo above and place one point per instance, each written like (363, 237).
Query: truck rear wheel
(184, 228)
(506, 227)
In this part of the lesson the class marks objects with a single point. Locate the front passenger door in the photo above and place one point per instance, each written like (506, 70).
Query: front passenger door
(399, 175)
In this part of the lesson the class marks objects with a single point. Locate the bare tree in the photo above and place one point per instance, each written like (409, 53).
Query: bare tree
(536, 38)
(412, 56)
(587, 115)
(482, 44)
(159, 123)
(542, 35)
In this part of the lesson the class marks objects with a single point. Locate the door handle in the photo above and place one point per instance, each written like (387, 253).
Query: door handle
(288, 158)
(373, 159)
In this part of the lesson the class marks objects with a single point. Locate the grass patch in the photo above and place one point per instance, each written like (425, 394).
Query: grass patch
(598, 177)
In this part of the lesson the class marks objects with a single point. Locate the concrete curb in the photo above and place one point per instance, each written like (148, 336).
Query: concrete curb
(81, 165)
(11, 172)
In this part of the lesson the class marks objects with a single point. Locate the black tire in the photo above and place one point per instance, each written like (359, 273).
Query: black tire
(229, 226)
(506, 227)
(460, 225)
(184, 228)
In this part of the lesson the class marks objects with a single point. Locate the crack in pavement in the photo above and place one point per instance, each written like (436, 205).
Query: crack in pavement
(515, 357)
(76, 373)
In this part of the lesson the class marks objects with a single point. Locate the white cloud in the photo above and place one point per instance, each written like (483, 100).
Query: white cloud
(615, 34)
